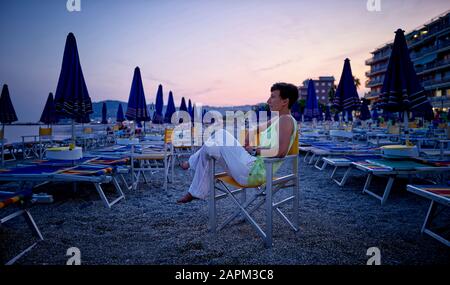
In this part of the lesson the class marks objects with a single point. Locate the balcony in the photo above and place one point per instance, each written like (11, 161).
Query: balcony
(375, 70)
(374, 82)
(430, 34)
(439, 98)
(436, 83)
(377, 58)
(414, 56)
(372, 95)
(432, 66)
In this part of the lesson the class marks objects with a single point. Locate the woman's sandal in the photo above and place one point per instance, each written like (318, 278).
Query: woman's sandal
(185, 199)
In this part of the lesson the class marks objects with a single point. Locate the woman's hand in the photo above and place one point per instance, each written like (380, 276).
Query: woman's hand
(249, 149)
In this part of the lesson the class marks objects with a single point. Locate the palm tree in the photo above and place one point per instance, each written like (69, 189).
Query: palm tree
(357, 82)
(331, 93)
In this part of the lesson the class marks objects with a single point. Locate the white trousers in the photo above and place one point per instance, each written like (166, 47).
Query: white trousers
(235, 160)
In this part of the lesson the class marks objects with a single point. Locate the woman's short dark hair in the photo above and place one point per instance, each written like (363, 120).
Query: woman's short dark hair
(287, 91)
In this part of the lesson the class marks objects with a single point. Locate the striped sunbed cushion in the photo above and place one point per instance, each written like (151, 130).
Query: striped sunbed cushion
(87, 170)
(398, 164)
(66, 163)
(14, 197)
(356, 157)
(442, 191)
(110, 160)
(373, 166)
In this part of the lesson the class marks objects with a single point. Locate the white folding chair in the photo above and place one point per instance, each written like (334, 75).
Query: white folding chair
(265, 194)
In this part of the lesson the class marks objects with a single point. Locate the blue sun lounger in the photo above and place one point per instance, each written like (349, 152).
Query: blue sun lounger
(47, 172)
(392, 169)
(345, 161)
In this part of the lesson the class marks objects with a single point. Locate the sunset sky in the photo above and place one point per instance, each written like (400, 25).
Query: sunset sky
(215, 52)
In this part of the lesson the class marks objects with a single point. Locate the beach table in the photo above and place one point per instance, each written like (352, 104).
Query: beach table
(438, 195)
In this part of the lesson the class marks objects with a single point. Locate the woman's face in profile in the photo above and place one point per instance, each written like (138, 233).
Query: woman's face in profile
(275, 102)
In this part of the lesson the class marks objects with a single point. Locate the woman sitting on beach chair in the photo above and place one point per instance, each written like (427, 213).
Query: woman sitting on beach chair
(275, 139)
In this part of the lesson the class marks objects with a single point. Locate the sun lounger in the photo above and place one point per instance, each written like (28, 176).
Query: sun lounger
(439, 195)
(390, 169)
(89, 173)
(331, 150)
(344, 162)
(20, 200)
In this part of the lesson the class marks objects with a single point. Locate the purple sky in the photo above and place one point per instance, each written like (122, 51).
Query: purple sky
(213, 52)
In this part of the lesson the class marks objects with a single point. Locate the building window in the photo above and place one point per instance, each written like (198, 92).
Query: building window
(438, 93)
(323, 90)
(323, 83)
(323, 97)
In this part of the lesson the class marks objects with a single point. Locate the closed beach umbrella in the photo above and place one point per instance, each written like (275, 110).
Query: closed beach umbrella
(48, 115)
(120, 117)
(183, 105)
(170, 109)
(137, 108)
(402, 91)
(346, 97)
(190, 108)
(312, 106)
(104, 114)
(159, 104)
(7, 112)
(364, 112)
(72, 97)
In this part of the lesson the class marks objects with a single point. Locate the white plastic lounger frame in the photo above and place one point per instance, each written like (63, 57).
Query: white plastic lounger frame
(432, 210)
(32, 225)
(392, 175)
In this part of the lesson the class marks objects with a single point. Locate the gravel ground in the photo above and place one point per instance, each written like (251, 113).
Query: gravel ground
(337, 226)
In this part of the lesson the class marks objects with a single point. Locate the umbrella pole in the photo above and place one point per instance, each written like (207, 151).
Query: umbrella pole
(73, 134)
(405, 122)
(3, 144)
